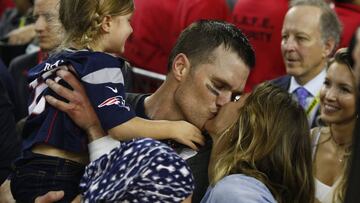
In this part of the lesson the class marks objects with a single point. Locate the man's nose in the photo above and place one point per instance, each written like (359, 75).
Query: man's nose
(40, 24)
(223, 98)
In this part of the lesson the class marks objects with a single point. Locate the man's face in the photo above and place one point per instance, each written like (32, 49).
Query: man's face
(47, 25)
(303, 50)
(207, 87)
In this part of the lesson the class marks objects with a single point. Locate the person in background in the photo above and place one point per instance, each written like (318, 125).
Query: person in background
(50, 34)
(10, 86)
(352, 194)
(189, 11)
(10, 144)
(332, 143)
(148, 44)
(348, 12)
(17, 18)
(262, 22)
(6, 4)
(307, 43)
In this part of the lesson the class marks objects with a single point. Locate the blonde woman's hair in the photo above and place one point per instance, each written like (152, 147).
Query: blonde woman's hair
(82, 19)
(271, 143)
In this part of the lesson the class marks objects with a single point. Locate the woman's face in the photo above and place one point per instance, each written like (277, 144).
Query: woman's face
(338, 95)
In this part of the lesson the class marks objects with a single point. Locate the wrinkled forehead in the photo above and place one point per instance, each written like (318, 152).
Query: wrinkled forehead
(298, 19)
(47, 6)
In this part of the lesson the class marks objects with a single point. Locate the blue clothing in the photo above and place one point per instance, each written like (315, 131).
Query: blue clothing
(238, 188)
(284, 83)
(101, 76)
(198, 163)
(143, 170)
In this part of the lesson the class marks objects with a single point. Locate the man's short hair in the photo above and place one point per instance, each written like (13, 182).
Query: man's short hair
(201, 38)
(330, 26)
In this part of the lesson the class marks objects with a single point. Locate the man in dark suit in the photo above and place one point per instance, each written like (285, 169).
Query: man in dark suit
(307, 42)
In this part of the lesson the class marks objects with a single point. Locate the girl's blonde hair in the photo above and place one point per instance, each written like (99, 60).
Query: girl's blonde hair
(271, 143)
(82, 19)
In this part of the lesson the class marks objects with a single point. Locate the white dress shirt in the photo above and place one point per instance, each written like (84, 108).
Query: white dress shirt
(313, 87)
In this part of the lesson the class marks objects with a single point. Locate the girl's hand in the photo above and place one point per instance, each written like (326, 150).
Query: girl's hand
(185, 133)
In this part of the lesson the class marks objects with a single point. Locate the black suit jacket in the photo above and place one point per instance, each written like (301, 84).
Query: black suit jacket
(9, 84)
(284, 83)
(10, 145)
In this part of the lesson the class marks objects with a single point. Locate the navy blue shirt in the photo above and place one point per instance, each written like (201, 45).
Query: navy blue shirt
(101, 76)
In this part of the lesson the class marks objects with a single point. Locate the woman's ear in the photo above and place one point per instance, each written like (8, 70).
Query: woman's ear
(181, 66)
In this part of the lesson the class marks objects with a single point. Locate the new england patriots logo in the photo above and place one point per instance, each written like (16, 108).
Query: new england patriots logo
(117, 100)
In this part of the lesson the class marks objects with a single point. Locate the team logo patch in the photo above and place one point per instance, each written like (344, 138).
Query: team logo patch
(117, 100)
(112, 89)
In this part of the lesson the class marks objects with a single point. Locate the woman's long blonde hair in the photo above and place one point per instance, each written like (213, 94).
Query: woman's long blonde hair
(271, 143)
(82, 19)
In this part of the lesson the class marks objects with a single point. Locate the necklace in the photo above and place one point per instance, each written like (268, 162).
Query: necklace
(342, 151)
(345, 144)
(341, 148)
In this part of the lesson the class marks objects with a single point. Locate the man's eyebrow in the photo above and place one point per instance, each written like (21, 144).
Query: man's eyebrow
(223, 82)
(227, 85)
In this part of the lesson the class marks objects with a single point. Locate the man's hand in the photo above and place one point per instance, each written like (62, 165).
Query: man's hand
(54, 196)
(79, 108)
(50, 197)
(227, 115)
(5, 193)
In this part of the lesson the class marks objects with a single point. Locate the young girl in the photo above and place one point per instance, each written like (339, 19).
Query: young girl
(266, 155)
(54, 150)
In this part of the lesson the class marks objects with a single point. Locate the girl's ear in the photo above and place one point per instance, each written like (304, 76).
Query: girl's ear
(106, 23)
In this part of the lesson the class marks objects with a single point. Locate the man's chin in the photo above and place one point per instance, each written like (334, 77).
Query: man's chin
(294, 71)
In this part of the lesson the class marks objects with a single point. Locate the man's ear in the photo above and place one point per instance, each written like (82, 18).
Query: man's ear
(329, 47)
(106, 23)
(181, 66)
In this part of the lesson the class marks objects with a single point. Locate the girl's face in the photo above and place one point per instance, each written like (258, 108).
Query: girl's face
(119, 32)
(338, 95)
